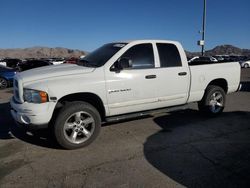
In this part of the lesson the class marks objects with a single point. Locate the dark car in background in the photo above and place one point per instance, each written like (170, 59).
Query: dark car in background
(10, 62)
(30, 64)
(219, 58)
(6, 76)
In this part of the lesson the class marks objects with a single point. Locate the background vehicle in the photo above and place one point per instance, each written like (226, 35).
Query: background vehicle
(57, 61)
(11, 62)
(6, 76)
(72, 60)
(82, 56)
(219, 58)
(3, 63)
(30, 64)
(202, 60)
(245, 64)
(117, 81)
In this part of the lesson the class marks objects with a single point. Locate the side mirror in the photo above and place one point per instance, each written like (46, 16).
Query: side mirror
(120, 64)
(124, 63)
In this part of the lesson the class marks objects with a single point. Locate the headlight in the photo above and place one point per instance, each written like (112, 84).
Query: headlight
(34, 96)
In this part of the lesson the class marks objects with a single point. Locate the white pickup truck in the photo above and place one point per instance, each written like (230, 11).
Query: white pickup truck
(118, 80)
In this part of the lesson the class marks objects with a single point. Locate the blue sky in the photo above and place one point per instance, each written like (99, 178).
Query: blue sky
(87, 24)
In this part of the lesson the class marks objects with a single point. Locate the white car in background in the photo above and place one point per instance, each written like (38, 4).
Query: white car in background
(82, 56)
(3, 63)
(245, 64)
(57, 61)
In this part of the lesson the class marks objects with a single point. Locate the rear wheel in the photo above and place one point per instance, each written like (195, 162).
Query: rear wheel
(213, 101)
(77, 125)
(3, 83)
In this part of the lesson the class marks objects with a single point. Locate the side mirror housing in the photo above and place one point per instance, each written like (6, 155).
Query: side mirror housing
(120, 64)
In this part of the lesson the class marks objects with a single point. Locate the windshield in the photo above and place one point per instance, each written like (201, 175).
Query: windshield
(100, 56)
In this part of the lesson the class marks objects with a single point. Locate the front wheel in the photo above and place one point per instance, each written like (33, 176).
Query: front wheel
(77, 125)
(213, 101)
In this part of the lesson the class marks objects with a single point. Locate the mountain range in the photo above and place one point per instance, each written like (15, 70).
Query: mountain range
(40, 52)
(45, 52)
(222, 50)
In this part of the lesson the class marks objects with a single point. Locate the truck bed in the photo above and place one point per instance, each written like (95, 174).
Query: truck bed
(202, 75)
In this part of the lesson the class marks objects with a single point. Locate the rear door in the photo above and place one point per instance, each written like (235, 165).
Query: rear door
(173, 76)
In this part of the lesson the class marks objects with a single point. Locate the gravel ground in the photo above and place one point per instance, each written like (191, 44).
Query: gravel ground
(175, 149)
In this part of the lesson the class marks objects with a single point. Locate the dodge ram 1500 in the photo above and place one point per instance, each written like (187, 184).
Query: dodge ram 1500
(118, 80)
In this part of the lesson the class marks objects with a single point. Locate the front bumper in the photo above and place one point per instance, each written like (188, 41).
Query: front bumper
(32, 115)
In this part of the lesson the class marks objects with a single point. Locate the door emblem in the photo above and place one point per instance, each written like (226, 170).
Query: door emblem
(118, 90)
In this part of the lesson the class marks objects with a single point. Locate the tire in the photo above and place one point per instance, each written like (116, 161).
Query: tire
(77, 125)
(3, 83)
(213, 101)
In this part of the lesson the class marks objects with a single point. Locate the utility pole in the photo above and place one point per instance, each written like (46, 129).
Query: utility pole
(202, 41)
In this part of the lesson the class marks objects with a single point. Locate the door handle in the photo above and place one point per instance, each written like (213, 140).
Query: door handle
(150, 76)
(182, 73)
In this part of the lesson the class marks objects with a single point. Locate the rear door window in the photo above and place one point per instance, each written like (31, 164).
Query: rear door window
(169, 55)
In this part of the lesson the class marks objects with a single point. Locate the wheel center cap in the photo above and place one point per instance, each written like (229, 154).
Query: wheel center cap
(213, 102)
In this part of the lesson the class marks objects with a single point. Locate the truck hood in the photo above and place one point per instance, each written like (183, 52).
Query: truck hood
(53, 71)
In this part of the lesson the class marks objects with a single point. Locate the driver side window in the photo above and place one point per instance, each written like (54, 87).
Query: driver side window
(141, 56)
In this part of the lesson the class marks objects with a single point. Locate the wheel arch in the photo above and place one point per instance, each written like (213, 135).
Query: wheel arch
(221, 82)
(90, 98)
(3, 77)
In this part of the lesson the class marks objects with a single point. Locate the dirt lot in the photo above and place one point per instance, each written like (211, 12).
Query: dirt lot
(166, 150)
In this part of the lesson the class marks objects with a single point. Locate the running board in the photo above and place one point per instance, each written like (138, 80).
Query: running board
(144, 113)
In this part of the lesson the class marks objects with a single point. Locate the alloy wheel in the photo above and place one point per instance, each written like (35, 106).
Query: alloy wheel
(3, 83)
(216, 102)
(79, 127)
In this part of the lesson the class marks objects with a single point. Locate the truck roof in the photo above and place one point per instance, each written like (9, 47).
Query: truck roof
(147, 40)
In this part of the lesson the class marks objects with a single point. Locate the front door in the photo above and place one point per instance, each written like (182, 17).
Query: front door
(133, 89)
